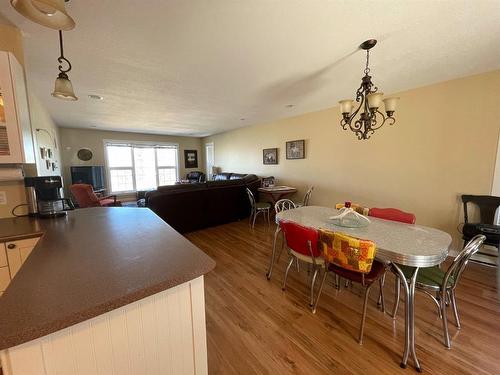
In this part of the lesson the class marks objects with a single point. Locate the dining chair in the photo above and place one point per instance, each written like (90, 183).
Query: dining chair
(302, 244)
(353, 259)
(392, 214)
(307, 197)
(281, 205)
(440, 286)
(257, 207)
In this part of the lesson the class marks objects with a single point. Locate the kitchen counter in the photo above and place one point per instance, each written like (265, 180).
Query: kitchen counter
(88, 263)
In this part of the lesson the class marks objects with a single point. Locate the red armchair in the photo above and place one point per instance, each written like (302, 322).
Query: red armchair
(85, 197)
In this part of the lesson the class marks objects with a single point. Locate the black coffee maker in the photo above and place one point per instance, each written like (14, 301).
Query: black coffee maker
(44, 197)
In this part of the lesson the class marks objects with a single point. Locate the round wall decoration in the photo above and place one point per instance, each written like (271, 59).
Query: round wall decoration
(84, 154)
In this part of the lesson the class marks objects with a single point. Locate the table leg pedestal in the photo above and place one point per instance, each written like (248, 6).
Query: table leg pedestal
(409, 291)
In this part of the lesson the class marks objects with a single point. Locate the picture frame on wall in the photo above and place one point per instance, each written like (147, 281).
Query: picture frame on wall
(270, 156)
(296, 149)
(190, 158)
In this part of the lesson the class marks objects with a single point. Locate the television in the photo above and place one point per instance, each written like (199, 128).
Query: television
(92, 175)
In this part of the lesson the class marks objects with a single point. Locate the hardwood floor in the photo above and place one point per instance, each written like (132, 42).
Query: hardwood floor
(253, 327)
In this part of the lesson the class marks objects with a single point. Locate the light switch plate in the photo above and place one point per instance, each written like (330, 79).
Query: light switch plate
(3, 198)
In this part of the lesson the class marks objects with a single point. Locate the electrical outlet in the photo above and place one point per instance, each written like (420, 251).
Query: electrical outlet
(3, 198)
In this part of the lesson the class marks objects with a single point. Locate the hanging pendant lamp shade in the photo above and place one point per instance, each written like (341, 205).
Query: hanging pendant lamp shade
(49, 13)
(63, 88)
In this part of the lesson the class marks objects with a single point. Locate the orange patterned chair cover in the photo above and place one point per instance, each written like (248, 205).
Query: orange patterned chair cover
(347, 252)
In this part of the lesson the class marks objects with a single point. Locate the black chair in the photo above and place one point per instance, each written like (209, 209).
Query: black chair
(196, 176)
(488, 206)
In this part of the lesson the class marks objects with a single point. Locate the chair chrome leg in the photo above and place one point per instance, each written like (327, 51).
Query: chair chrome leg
(313, 282)
(320, 290)
(381, 294)
(297, 264)
(254, 217)
(273, 254)
(286, 272)
(365, 303)
(455, 309)
(397, 293)
(337, 281)
(445, 320)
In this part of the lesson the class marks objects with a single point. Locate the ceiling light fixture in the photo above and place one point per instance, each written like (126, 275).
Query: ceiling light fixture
(63, 88)
(49, 13)
(95, 97)
(369, 99)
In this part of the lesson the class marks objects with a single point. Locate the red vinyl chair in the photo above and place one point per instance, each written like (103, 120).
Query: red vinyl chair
(85, 197)
(392, 214)
(302, 244)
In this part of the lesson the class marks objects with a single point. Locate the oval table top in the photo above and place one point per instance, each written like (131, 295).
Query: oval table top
(407, 244)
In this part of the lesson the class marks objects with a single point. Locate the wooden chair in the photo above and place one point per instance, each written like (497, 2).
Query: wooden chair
(302, 244)
(86, 197)
(352, 259)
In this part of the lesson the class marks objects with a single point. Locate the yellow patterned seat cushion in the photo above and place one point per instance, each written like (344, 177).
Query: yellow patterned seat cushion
(345, 251)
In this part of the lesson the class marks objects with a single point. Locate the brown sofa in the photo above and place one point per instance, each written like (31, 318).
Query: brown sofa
(190, 207)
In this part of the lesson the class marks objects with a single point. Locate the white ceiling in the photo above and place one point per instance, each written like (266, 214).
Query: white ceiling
(196, 67)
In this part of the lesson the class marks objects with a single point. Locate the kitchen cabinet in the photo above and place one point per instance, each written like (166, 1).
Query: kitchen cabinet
(12, 255)
(16, 138)
(18, 252)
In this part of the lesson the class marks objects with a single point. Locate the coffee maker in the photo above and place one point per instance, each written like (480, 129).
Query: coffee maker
(44, 197)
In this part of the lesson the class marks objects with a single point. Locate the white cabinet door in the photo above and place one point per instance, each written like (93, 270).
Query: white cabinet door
(3, 256)
(4, 278)
(16, 141)
(18, 252)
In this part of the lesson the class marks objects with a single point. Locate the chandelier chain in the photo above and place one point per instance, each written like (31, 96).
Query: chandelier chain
(367, 69)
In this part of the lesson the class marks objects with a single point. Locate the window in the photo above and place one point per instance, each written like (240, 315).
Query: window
(140, 166)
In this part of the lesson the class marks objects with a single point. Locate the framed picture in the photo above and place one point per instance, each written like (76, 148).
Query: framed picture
(190, 158)
(296, 149)
(270, 156)
(268, 181)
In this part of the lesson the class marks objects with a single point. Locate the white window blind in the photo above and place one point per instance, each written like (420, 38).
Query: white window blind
(140, 166)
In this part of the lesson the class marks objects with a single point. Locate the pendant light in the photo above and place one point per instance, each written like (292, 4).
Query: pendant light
(63, 88)
(49, 13)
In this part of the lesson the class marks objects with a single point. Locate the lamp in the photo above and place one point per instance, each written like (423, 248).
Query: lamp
(370, 100)
(49, 13)
(63, 88)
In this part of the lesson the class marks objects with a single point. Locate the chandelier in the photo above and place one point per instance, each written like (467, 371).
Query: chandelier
(367, 117)
(49, 13)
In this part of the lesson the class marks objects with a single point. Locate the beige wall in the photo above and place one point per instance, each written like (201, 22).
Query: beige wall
(443, 144)
(74, 139)
(11, 40)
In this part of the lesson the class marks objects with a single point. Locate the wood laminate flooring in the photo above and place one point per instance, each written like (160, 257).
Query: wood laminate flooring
(253, 327)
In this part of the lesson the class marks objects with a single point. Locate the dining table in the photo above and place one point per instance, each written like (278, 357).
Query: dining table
(277, 192)
(397, 244)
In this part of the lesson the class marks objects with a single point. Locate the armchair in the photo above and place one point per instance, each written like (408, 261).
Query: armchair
(86, 197)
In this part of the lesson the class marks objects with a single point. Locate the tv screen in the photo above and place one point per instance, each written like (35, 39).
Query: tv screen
(92, 175)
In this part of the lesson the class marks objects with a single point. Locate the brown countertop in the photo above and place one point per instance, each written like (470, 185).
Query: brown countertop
(88, 263)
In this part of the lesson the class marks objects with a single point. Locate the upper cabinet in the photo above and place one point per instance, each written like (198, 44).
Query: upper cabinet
(16, 139)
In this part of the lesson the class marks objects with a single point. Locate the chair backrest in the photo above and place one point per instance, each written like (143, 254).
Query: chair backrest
(487, 207)
(347, 252)
(195, 176)
(393, 214)
(251, 198)
(458, 265)
(84, 195)
(302, 240)
(283, 205)
(307, 197)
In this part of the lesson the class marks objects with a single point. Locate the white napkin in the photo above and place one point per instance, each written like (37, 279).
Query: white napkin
(344, 212)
